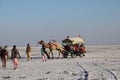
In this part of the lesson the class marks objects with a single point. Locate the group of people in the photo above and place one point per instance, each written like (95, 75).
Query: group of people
(80, 49)
(15, 55)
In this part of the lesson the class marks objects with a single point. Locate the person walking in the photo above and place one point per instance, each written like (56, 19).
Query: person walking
(4, 55)
(43, 53)
(28, 52)
(14, 56)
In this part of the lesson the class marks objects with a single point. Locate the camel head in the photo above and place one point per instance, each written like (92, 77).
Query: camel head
(41, 42)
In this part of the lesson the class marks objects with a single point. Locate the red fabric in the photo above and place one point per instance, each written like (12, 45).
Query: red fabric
(15, 60)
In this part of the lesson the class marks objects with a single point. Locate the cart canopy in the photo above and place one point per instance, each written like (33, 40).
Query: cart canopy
(75, 40)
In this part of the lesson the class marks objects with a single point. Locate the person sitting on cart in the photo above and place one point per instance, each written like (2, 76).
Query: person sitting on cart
(82, 49)
(76, 48)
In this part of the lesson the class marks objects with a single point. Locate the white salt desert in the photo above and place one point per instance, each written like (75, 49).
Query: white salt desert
(100, 63)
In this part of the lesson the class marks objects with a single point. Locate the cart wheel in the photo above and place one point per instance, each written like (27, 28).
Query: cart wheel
(65, 54)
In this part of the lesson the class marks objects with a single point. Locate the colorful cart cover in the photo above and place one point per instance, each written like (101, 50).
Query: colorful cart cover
(75, 40)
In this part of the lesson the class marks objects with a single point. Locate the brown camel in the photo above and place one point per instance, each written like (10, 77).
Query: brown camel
(52, 46)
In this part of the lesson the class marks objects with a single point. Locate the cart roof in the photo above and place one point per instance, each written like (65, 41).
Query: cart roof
(75, 40)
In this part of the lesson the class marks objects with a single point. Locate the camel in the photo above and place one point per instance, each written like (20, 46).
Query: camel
(52, 45)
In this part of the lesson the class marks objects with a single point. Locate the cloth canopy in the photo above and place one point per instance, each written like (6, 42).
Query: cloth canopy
(75, 40)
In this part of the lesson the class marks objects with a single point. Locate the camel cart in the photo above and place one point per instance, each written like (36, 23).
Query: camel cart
(74, 47)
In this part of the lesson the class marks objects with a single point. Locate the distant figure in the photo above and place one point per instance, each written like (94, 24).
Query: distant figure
(79, 35)
(67, 37)
(4, 56)
(43, 53)
(28, 51)
(14, 56)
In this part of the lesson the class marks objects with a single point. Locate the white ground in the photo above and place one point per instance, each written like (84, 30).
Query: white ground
(100, 63)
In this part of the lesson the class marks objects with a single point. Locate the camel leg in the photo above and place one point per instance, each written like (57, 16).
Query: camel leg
(52, 55)
(58, 54)
(61, 52)
(48, 54)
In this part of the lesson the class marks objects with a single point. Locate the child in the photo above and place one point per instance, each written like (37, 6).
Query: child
(15, 54)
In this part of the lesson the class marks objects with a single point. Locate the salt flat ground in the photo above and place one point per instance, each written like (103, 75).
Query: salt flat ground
(100, 63)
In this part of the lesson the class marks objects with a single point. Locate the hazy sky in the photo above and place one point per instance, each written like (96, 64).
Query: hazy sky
(28, 21)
